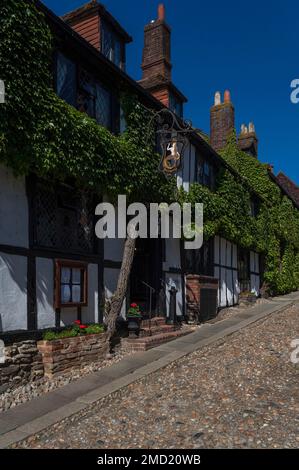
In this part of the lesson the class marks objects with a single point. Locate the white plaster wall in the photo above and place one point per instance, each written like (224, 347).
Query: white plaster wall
(45, 297)
(13, 292)
(90, 314)
(13, 209)
(110, 283)
(186, 168)
(68, 316)
(45, 293)
(229, 290)
(174, 279)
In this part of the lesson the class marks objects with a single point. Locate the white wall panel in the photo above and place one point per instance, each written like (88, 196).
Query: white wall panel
(223, 294)
(45, 293)
(13, 209)
(110, 283)
(90, 313)
(13, 292)
(174, 279)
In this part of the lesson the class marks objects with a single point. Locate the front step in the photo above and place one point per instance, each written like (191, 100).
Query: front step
(155, 321)
(156, 330)
(148, 342)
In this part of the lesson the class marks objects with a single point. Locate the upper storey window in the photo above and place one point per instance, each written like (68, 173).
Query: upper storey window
(66, 78)
(112, 46)
(94, 99)
(205, 173)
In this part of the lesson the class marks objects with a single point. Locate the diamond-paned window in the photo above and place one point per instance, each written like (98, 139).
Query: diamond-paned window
(103, 106)
(94, 99)
(66, 79)
(63, 218)
(111, 46)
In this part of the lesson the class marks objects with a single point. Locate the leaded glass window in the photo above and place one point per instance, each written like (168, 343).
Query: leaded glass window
(111, 45)
(66, 79)
(94, 99)
(63, 219)
(103, 106)
(205, 173)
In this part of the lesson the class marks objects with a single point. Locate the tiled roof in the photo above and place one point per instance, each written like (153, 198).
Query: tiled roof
(289, 186)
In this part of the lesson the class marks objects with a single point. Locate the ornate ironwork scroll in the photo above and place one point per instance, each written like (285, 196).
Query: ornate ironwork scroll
(172, 138)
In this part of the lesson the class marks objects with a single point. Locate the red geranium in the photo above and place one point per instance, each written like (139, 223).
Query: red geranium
(77, 322)
(82, 327)
(134, 305)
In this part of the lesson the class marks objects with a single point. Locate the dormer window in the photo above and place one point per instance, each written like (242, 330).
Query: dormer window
(175, 105)
(112, 46)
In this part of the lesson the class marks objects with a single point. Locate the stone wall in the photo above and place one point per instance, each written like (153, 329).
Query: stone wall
(23, 364)
(61, 355)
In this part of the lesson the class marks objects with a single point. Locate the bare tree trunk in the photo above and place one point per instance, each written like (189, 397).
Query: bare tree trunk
(116, 301)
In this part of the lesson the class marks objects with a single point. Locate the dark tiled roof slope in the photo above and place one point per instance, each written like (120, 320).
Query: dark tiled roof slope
(290, 187)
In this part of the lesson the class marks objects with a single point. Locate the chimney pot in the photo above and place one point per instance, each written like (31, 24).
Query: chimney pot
(161, 12)
(227, 98)
(217, 100)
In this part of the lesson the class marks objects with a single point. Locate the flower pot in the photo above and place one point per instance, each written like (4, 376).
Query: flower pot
(134, 326)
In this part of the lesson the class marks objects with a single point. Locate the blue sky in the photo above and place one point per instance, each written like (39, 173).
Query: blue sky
(249, 47)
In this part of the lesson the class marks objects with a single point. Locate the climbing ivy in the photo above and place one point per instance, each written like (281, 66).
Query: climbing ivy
(274, 233)
(41, 133)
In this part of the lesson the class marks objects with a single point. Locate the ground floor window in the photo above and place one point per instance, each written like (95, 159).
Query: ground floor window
(70, 284)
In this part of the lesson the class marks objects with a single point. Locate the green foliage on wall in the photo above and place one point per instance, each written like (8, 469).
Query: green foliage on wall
(41, 133)
(274, 233)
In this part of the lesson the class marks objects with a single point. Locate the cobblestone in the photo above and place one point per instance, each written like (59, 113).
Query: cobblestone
(242, 392)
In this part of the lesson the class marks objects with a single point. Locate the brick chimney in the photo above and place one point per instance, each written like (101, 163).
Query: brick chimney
(247, 140)
(222, 120)
(156, 63)
(156, 60)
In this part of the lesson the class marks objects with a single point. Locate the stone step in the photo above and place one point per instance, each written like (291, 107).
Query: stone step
(148, 342)
(155, 330)
(155, 321)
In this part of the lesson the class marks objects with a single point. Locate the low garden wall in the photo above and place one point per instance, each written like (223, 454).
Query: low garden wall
(22, 364)
(61, 355)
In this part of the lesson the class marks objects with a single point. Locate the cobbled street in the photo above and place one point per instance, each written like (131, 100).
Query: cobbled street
(242, 392)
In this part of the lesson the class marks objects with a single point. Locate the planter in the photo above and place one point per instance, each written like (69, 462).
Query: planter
(133, 326)
(62, 355)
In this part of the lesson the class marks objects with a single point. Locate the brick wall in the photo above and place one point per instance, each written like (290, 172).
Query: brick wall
(63, 354)
(194, 284)
(23, 364)
(156, 52)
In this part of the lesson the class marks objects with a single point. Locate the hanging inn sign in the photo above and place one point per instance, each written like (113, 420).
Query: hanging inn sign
(172, 137)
